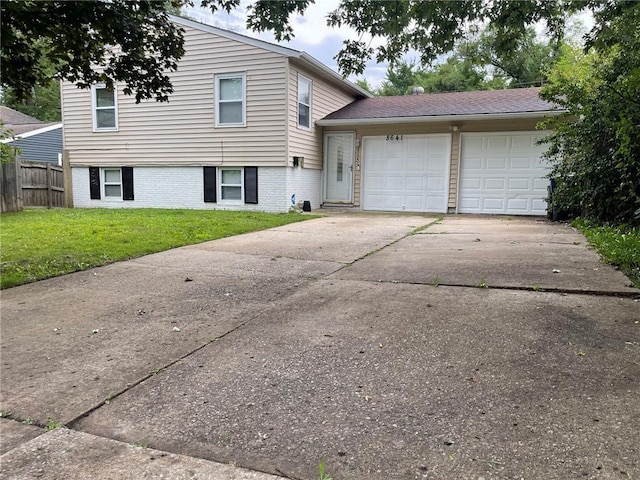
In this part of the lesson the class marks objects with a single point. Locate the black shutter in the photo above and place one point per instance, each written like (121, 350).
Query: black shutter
(94, 183)
(250, 184)
(210, 187)
(127, 183)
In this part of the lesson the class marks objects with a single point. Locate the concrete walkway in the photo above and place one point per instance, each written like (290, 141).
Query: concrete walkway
(383, 346)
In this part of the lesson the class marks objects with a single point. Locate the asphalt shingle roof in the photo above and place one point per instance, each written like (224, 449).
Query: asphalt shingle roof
(19, 122)
(445, 104)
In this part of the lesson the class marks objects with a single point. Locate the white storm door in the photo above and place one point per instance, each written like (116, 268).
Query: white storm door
(338, 151)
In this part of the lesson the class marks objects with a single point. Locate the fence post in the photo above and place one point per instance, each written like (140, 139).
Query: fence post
(66, 174)
(19, 199)
(49, 187)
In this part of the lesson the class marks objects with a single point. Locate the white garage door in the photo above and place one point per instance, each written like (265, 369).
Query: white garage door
(502, 173)
(405, 173)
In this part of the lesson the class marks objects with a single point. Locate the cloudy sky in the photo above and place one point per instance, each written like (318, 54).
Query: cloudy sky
(312, 35)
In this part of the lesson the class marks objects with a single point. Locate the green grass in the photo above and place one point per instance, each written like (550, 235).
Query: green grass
(39, 244)
(618, 246)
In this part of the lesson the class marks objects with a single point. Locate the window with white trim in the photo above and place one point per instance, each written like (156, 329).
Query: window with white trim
(231, 185)
(304, 102)
(230, 99)
(105, 108)
(112, 183)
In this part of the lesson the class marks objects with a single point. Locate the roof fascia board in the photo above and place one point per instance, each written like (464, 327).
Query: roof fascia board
(289, 52)
(314, 64)
(31, 133)
(435, 118)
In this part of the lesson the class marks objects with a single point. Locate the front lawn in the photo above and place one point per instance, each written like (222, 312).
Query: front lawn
(38, 244)
(617, 245)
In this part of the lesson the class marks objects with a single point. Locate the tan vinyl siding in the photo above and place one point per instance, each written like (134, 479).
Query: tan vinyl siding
(429, 128)
(182, 131)
(454, 168)
(326, 98)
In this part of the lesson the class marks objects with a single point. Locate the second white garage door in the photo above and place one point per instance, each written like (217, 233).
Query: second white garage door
(502, 173)
(405, 173)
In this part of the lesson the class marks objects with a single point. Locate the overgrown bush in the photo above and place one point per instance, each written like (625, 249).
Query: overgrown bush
(595, 148)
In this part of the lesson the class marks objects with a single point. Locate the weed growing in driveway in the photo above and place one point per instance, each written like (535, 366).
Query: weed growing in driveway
(436, 281)
(52, 424)
(5, 414)
(322, 475)
(483, 283)
(156, 371)
(29, 421)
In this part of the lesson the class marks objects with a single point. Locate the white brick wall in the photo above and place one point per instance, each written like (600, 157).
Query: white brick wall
(306, 183)
(182, 187)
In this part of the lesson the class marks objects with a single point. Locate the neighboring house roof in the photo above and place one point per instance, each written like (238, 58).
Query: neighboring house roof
(22, 124)
(523, 102)
(303, 58)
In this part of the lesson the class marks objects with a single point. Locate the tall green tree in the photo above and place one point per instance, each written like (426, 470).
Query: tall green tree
(523, 66)
(399, 79)
(74, 36)
(595, 147)
(43, 103)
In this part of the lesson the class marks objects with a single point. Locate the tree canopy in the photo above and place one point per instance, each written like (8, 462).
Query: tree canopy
(76, 36)
(595, 146)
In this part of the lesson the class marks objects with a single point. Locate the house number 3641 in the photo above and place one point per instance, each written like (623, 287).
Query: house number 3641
(394, 138)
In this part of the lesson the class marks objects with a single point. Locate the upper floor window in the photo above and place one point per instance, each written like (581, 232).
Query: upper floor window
(304, 102)
(105, 108)
(230, 100)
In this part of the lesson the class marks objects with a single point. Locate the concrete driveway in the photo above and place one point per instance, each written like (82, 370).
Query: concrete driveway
(382, 346)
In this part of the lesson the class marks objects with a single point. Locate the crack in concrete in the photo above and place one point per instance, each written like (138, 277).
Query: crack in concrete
(568, 291)
(155, 372)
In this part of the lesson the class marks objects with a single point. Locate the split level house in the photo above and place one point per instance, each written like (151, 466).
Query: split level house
(257, 126)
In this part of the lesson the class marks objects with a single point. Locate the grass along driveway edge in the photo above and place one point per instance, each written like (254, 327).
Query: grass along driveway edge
(619, 246)
(39, 244)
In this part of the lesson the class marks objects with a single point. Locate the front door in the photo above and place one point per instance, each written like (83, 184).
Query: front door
(338, 153)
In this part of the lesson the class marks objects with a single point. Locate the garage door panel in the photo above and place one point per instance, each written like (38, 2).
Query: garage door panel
(395, 150)
(519, 184)
(473, 163)
(521, 162)
(376, 182)
(436, 183)
(539, 205)
(493, 205)
(393, 202)
(394, 182)
(415, 147)
(469, 183)
(433, 203)
(415, 172)
(494, 184)
(377, 164)
(540, 184)
(496, 163)
(512, 180)
(416, 184)
(518, 205)
(522, 142)
(438, 165)
(414, 202)
(416, 165)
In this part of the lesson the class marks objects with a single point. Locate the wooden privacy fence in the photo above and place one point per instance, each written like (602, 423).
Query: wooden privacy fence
(31, 184)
